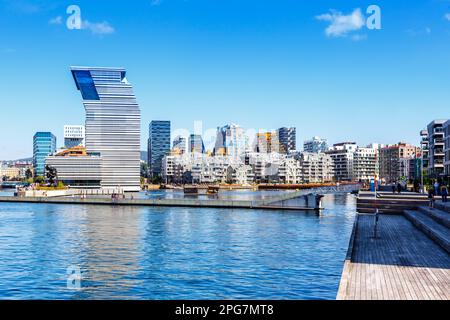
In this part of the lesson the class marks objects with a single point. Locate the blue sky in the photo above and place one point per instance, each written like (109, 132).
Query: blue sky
(261, 64)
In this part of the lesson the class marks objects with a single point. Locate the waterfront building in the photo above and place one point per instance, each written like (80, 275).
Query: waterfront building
(113, 124)
(200, 168)
(9, 173)
(315, 145)
(447, 149)
(287, 138)
(316, 167)
(436, 155)
(77, 168)
(44, 143)
(392, 161)
(231, 140)
(196, 144)
(179, 145)
(365, 163)
(342, 155)
(158, 145)
(74, 136)
(424, 145)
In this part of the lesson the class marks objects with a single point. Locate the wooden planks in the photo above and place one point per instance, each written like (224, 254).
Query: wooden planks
(402, 264)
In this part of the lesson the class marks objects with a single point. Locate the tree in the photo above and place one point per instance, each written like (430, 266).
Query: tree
(39, 179)
(28, 174)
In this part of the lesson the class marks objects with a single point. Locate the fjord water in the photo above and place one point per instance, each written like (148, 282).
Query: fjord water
(173, 253)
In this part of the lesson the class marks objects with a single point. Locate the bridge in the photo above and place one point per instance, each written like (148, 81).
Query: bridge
(307, 199)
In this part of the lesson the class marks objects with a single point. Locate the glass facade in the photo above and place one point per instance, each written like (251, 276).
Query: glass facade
(44, 143)
(158, 145)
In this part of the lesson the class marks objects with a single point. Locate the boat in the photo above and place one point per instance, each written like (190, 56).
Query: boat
(190, 190)
(213, 190)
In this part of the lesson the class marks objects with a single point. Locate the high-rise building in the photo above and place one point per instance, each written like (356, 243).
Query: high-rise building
(44, 143)
(196, 144)
(158, 145)
(436, 153)
(424, 145)
(447, 148)
(179, 145)
(113, 124)
(266, 142)
(231, 141)
(287, 139)
(315, 145)
(73, 136)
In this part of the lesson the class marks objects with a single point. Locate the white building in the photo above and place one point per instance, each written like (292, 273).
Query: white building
(231, 140)
(316, 167)
(74, 136)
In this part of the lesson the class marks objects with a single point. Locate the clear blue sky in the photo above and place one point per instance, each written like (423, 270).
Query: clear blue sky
(261, 64)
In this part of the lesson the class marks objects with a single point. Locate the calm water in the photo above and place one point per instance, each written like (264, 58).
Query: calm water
(173, 253)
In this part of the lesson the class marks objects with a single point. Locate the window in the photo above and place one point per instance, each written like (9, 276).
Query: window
(86, 85)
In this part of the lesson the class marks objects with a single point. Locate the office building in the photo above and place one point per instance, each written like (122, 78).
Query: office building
(231, 141)
(113, 124)
(315, 145)
(179, 145)
(44, 143)
(73, 136)
(158, 145)
(196, 144)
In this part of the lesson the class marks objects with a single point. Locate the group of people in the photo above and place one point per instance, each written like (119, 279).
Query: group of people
(437, 190)
(397, 187)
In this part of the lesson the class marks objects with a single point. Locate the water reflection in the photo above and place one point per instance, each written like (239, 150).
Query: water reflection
(173, 253)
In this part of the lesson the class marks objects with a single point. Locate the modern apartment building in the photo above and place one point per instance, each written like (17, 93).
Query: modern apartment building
(287, 138)
(447, 148)
(73, 136)
(424, 146)
(316, 167)
(436, 145)
(342, 155)
(158, 145)
(392, 163)
(365, 164)
(196, 144)
(44, 143)
(113, 124)
(315, 145)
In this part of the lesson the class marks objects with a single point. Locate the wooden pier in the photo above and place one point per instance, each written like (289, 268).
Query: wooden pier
(408, 258)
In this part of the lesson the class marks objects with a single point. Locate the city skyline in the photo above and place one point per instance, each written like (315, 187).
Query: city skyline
(219, 69)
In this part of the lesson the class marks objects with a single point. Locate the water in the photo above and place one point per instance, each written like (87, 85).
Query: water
(173, 253)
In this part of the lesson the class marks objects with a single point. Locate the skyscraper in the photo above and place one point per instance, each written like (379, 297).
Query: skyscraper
(113, 124)
(231, 140)
(196, 144)
(158, 145)
(179, 144)
(73, 136)
(44, 143)
(287, 139)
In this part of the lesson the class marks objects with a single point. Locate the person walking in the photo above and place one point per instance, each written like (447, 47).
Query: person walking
(436, 187)
(431, 194)
(444, 193)
(399, 188)
(393, 188)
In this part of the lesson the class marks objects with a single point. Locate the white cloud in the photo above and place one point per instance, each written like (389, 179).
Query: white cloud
(340, 24)
(447, 16)
(97, 27)
(56, 20)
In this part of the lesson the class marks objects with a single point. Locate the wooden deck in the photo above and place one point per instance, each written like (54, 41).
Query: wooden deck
(402, 264)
